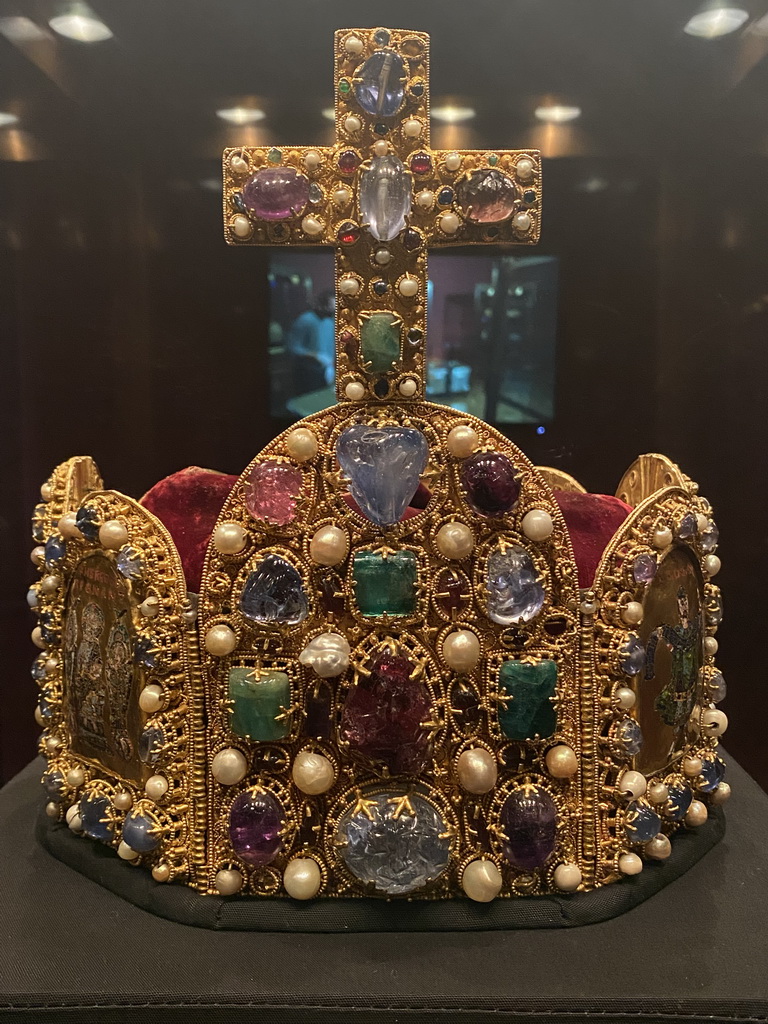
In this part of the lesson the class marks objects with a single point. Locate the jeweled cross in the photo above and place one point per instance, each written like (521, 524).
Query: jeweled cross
(381, 197)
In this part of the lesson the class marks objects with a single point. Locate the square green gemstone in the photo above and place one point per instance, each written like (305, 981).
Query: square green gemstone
(385, 585)
(530, 711)
(256, 699)
(274, 156)
(380, 342)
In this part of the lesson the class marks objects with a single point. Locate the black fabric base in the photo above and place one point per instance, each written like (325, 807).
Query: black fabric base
(186, 906)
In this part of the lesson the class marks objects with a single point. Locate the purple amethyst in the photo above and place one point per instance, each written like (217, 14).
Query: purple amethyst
(491, 483)
(276, 193)
(529, 824)
(255, 827)
(644, 568)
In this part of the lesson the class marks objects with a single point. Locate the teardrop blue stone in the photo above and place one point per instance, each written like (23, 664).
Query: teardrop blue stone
(383, 465)
(274, 593)
(380, 84)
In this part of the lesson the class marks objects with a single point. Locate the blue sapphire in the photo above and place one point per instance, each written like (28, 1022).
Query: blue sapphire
(96, 818)
(47, 628)
(641, 823)
(45, 708)
(383, 466)
(515, 591)
(717, 688)
(380, 84)
(445, 196)
(711, 775)
(140, 833)
(678, 802)
(54, 786)
(85, 520)
(688, 527)
(55, 550)
(146, 652)
(151, 743)
(38, 669)
(381, 37)
(632, 656)
(129, 563)
(274, 593)
(630, 736)
(239, 203)
(529, 197)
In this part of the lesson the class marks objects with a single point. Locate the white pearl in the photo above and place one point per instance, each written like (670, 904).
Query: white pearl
(349, 286)
(354, 391)
(73, 818)
(39, 716)
(632, 613)
(455, 540)
(630, 864)
(353, 45)
(452, 161)
(462, 441)
(408, 387)
(352, 124)
(51, 663)
(150, 606)
(662, 538)
(702, 522)
(537, 524)
(408, 287)
(329, 545)
(229, 766)
(228, 881)
(383, 257)
(588, 607)
(75, 777)
(37, 555)
(52, 744)
(241, 226)
(301, 444)
(50, 584)
(710, 645)
(696, 814)
(712, 565)
(113, 534)
(561, 761)
(312, 159)
(327, 654)
(123, 800)
(461, 650)
(52, 810)
(161, 872)
(626, 698)
(412, 128)
(567, 877)
(151, 698)
(237, 164)
(220, 640)
(721, 794)
(229, 538)
(477, 770)
(692, 766)
(381, 148)
(341, 196)
(37, 638)
(125, 852)
(658, 848)
(714, 722)
(426, 199)
(524, 169)
(632, 783)
(312, 773)
(32, 599)
(522, 221)
(46, 491)
(312, 226)
(67, 526)
(449, 223)
(481, 881)
(302, 878)
(156, 787)
(658, 793)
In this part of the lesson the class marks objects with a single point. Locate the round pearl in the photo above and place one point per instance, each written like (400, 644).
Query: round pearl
(125, 852)
(349, 286)
(229, 766)
(241, 226)
(150, 606)
(73, 818)
(329, 545)
(481, 881)
(37, 555)
(455, 540)
(52, 744)
(52, 810)
(710, 645)
(632, 783)
(151, 698)
(220, 640)
(312, 773)
(156, 787)
(75, 777)
(714, 722)
(383, 257)
(712, 565)
(412, 128)
(238, 165)
(588, 607)
(353, 45)
(452, 162)
(477, 770)
(352, 124)
(312, 226)
(721, 794)
(341, 196)
(702, 522)
(32, 599)
(537, 524)
(426, 199)
(46, 491)
(123, 800)
(692, 766)
(662, 538)
(228, 881)
(50, 584)
(449, 223)
(408, 287)
(658, 793)
(567, 877)
(696, 814)
(658, 848)
(408, 387)
(561, 761)
(67, 526)
(461, 650)
(161, 872)
(524, 168)
(113, 534)
(522, 221)
(37, 638)
(632, 613)
(51, 663)
(39, 716)
(302, 878)
(626, 698)
(229, 538)
(312, 159)
(630, 864)
(381, 148)
(462, 441)
(301, 444)
(354, 391)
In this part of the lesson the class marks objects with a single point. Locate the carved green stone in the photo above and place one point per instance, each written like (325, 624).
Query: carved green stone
(529, 712)
(380, 341)
(385, 585)
(257, 698)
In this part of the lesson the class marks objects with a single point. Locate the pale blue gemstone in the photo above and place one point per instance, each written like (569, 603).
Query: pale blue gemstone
(129, 563)
(515, 591)
(641, 823)
(380, 84)
(32, 598)
(274, 593)
(383, 466)
(55, 550)
(717, 688)
(96, 817)
(386, 194)
(712, 774)
(630, 735)
(394, 854)
(632, 656)
(678, 802)
(140, 833)
(151, 743)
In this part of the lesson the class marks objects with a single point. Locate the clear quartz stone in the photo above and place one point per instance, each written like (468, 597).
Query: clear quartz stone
(386, 194)
(515, 591)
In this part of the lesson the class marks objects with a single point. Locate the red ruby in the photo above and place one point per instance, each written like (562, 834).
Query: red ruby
(451, 591)
(331, 593)
(348, 161)
(348, 233)
(421, 163)
(348, 344)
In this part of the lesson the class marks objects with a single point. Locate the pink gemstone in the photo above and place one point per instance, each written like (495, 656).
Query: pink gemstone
(276, 193)
(273, 492)
(487, 196)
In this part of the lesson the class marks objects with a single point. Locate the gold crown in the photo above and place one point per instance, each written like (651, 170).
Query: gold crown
(418, 665)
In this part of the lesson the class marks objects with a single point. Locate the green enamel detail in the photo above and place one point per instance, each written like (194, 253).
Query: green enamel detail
(380, 342)
(256, 700)
(385, 585)
(274, 156)
(529, 712)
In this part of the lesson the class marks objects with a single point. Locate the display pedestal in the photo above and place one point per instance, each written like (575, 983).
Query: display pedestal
(75, 952)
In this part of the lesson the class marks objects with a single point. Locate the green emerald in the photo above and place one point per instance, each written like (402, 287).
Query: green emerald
(385, 585)
(529, 712)
(256, 699)
(493, 159)
(380, 342)
(344, 86)
(274, 156)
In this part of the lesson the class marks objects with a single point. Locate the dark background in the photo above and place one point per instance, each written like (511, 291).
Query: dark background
(129, 331)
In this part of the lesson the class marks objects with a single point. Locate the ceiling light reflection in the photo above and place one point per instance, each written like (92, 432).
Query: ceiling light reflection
(77, 21)
(557, 113)
(240, 115)
(7, 118)
(715, 22)
(18, 29)
(329, 114)
(451, 114)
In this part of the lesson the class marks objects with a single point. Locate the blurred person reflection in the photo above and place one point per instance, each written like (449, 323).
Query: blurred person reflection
(311, 342)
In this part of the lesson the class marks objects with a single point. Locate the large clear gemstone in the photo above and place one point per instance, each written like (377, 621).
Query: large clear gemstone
(380, 84)
(383, 465)
(386, 193)
(515, 591)
(393, 847)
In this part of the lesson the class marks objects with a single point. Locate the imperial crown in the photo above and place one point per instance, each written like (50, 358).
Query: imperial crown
(418, 665)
